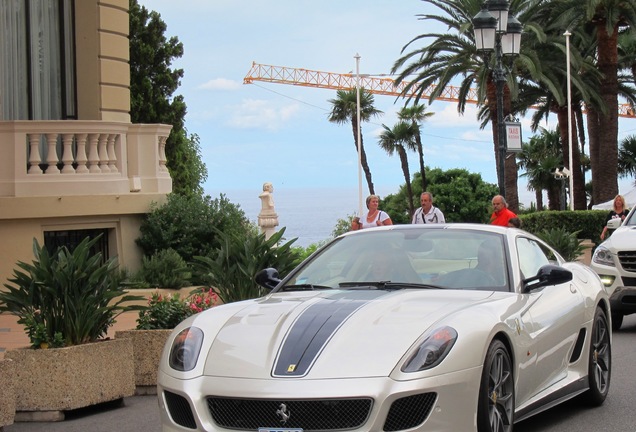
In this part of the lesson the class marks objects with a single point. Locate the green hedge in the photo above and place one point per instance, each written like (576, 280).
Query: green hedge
(590, 223)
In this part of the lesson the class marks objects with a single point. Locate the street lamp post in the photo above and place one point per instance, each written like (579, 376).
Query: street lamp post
(496, 30)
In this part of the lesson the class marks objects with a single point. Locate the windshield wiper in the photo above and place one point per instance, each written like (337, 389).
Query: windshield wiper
(387, 285)
(304, 287)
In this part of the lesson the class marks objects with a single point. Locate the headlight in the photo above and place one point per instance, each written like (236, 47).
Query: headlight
(432, 350)
(602, 255)
(185, 349)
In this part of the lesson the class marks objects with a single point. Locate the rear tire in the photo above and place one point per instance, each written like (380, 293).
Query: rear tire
(600, 361)
(617, 321)
(496, 404)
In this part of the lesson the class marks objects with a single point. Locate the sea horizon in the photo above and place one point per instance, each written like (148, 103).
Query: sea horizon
(308, 214)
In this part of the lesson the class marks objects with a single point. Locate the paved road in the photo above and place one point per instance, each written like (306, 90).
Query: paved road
(141, 413)
(138, 414)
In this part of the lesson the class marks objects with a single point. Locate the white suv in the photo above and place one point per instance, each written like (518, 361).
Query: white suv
(615, 262)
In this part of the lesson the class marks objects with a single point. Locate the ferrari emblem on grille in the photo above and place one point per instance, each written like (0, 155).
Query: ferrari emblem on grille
(291, 368)
(282, 413)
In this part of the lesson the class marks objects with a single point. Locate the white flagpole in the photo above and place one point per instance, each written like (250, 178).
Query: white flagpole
(357, 57)
(567, 48)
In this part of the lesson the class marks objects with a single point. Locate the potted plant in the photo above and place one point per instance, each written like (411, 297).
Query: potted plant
(66, 301)
(154, 326)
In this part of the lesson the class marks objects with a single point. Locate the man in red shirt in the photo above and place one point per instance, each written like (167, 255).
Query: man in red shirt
(501, 215)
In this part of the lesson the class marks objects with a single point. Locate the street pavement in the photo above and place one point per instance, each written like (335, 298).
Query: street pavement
(137, 413)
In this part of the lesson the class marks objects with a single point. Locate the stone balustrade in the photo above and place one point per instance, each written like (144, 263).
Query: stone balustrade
(60, 158)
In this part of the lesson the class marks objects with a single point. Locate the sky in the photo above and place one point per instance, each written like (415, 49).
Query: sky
(265, 132)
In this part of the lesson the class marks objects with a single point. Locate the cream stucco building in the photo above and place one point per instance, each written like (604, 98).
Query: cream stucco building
(71, 162)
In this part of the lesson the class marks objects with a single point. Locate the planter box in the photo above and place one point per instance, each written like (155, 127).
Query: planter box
(147, 349)
(63, 379)
(7, 392)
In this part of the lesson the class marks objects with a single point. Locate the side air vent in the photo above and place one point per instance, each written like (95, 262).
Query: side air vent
(179, 410)
(409, 412)
(576, 353)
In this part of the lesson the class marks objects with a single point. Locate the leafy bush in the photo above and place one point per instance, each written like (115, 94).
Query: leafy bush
(165, 269)
(461, 195)
(232, 267)
(566, 243)
(303, 253)
(65, 298)
(165, 312)
(588, 223)
(189, 225)
(342, 226)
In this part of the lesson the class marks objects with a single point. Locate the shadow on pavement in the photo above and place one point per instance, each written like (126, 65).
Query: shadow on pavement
(136, 413)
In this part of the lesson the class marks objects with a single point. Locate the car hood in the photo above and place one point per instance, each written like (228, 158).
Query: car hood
(623, 238)
(343, 333)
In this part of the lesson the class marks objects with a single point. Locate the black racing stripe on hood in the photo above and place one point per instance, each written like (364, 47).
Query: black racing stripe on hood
(314, 327)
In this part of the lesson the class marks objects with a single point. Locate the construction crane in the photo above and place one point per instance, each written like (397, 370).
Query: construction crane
(374, 85)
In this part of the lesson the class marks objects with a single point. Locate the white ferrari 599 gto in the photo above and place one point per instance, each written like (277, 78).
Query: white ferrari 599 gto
(454, 327)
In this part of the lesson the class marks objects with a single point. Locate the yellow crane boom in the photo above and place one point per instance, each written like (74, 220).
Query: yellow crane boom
(347, 81)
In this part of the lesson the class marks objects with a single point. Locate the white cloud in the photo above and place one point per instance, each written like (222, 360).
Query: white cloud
(446, 115)
(220, 84)
(261, 114)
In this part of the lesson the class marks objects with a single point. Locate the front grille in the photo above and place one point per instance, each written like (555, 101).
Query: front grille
(628, 260)
(409, 412)
(308, 414)
(180, 410)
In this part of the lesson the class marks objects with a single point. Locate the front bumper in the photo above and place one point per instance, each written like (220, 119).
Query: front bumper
(623, 300)
(620, 286)
(454, 406)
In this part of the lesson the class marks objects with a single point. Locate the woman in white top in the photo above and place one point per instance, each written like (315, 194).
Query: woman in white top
(373, 217)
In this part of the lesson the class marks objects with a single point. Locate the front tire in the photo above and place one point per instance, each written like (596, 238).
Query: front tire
(496, 400)
(600, 361)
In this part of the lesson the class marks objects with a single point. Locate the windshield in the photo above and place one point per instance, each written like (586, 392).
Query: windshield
(631, 219)
(437, 258)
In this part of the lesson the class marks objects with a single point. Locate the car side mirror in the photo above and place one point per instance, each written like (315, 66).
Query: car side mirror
(267, 278)
(614, 223)
(547, 275)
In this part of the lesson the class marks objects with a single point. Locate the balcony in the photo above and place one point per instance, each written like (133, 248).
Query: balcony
(82, 158)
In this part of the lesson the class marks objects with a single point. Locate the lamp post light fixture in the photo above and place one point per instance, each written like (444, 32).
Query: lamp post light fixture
(496, 30)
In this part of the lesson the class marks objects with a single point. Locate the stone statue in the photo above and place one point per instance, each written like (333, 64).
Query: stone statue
(267, 218)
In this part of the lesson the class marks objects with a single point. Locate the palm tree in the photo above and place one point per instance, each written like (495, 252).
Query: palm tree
(547, 93)
(539, 157)
(627, 51)
(452, 56)
(627, 157)
(394, 141)
(416, 114)
(344, 109)
(603, 18)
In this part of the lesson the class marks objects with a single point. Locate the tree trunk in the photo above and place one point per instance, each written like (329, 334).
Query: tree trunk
(363, 155)
(407, 179)
(580, 200)
(606, 177)
(512, 193)
(593, 132)
(554, 197)
(510, 163)
(538, 195)
(420, 151)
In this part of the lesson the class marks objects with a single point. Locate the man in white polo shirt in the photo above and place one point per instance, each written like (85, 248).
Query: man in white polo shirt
(427, 213)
